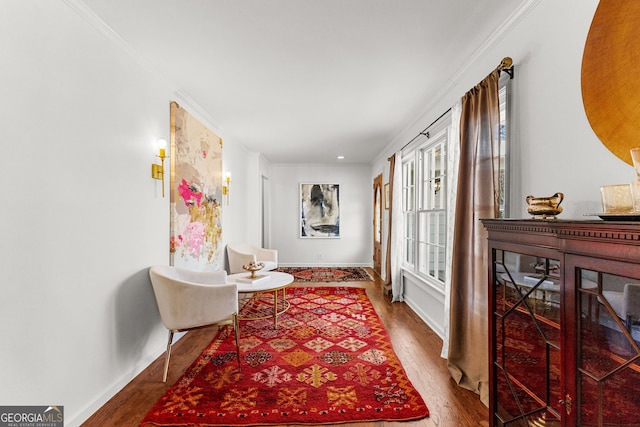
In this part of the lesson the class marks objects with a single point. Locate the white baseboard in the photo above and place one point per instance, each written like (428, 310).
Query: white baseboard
(432, 323)
(80, 417)
(426, 300)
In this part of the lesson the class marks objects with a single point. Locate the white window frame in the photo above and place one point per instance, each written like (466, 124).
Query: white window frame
(424, 209)
(432, 208)
(408, 211)
(507, 148)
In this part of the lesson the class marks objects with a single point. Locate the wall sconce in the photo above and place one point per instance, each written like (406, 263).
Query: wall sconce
(157, 170)
(227, 188)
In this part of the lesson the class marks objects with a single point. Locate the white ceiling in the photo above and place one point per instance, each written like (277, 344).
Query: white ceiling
(303, 81)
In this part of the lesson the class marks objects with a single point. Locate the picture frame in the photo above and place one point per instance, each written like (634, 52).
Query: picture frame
(319, 210)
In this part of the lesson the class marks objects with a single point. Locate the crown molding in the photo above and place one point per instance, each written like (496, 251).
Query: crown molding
(181, 97)
(490, 42)
(185, 101)
(81, 8)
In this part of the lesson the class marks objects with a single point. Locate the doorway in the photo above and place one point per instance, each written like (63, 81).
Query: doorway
(377, 224)
(266, 222)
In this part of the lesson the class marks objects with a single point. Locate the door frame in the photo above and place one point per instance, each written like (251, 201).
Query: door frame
(378, 208)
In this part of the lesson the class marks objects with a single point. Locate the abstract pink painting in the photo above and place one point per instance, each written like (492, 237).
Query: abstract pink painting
(196, 193)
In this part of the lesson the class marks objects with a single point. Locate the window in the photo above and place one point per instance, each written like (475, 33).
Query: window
(425, 186)
(432, 208)
(504, 96)
(408, 203)
(424, 181)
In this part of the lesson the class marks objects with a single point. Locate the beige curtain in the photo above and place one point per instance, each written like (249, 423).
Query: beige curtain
(477, 198)
(393, 260)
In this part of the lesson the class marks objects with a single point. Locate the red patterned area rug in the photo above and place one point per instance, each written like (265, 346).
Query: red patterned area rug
(328, 274)
(330, 361)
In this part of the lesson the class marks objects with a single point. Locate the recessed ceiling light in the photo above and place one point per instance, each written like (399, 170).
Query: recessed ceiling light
(340, 157)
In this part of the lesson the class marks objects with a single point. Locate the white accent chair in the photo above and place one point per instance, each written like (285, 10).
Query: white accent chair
(240, 254)
(193, 299)
(626, 304)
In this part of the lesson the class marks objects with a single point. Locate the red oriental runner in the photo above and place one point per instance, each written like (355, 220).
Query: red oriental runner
(330, 361)
(328, 274)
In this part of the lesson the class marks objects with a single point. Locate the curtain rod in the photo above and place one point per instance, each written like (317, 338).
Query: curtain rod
(505, 65)
(424, 132)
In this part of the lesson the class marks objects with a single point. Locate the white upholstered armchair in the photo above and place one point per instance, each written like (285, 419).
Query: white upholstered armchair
(193, 299)
(240, 254)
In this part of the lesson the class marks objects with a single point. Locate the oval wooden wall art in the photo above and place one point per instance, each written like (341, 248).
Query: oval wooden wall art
(611, 76)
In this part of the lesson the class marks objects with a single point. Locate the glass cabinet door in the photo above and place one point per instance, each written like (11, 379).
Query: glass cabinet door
(526, 346)
(608, 352)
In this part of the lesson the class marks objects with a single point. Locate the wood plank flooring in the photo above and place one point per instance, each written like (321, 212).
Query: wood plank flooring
(416, 345)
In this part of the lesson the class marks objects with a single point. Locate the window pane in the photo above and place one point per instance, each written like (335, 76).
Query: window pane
(422, 227)
(431, 249)
(438, 193)
(441, 263)
(432, 194)
(422, 257)
(411, 198)
(409, 233)
(408, 185)
(503, 97)
(410, 252)
(423, 230)
(411, 227)
(442, 229)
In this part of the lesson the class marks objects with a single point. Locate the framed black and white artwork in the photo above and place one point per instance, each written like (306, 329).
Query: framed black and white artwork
(320, 210)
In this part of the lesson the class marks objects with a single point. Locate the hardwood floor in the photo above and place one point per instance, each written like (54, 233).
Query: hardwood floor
(416, 345)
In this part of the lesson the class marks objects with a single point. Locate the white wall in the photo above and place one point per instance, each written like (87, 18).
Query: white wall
(355, 245)
(82, 220)
(237, 215)
(256, 167)
(557, 149)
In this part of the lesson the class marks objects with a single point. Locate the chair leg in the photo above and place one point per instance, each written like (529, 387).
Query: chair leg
(166, 360)
(236, 329)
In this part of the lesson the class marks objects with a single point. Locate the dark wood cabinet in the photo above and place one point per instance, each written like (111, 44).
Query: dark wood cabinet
(564, 314)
